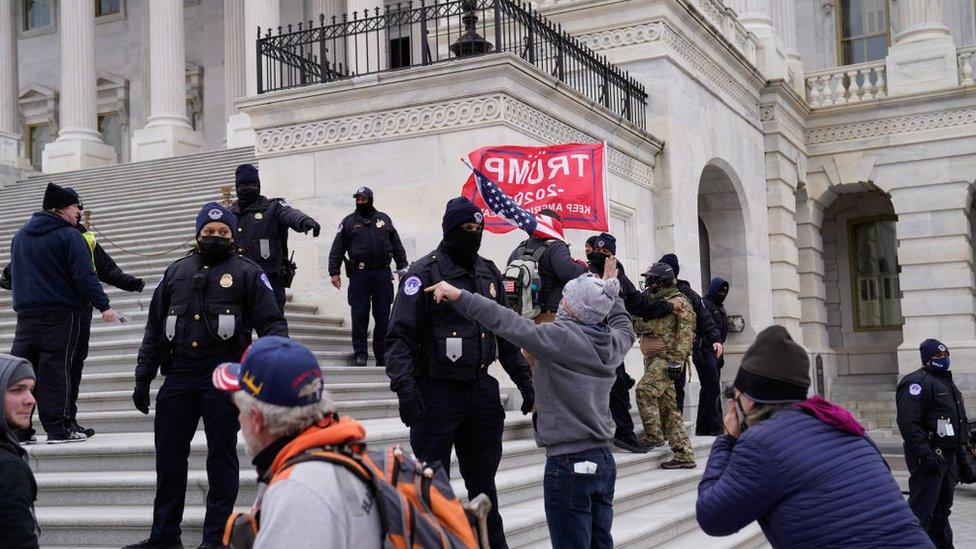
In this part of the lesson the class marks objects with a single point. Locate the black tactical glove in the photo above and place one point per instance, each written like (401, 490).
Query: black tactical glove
(674, 371)
(528, 398)
(411, 408)
(140, 396)
(310, 224)
(137, 285)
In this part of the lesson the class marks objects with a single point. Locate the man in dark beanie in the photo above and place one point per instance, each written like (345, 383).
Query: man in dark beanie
(202, 314)
(262, 229)
(707, 337)
(803, 468)
(437, 358)
(17, 487)
(366, 242)
(54, 287)
(932, 422)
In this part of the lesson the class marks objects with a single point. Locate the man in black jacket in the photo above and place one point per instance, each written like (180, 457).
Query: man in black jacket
(708, 365)
(262, 229)
(706, 333)
(54, 288)
(17, 487)
(932, 422)
(370, 241)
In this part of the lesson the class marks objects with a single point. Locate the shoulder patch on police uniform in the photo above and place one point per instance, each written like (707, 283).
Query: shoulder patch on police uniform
(491, 290)
(915, 389)
(339, 229)
(227, 280)
(380, 223)
(284, 202)
(264, 278)
(412, 285)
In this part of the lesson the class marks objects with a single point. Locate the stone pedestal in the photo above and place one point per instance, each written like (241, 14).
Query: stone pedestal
(168, 131)
(923, 57)
(78, 145)
(240, 133)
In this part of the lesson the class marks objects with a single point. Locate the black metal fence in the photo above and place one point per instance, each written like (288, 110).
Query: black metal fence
(409, 35)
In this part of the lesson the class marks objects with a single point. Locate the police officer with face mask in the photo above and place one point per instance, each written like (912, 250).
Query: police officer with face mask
(932, 422)
(437, 359)
(201, 315)
(262, 229)
(369, 239)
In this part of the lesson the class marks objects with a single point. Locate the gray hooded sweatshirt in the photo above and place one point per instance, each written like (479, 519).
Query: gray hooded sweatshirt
(577, 367)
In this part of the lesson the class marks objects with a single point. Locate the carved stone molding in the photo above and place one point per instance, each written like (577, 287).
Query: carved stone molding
(705, 68)
(442, 117)
(892, 126)
(776, 118)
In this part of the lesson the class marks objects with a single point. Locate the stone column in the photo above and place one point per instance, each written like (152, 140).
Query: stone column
(78, 145)
(9, 108)
(923, 57)
(234, 72)
(168, 132)
(757, 17)
(935, 253)
(257, 13)
(784, 21)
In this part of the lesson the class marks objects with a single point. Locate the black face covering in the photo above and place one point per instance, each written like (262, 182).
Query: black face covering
(462, 246)
(247, 194)
(214, 249)
(720, 297)
(366, 210)
(597, 261)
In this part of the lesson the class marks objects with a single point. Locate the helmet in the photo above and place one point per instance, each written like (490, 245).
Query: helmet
(660, 273)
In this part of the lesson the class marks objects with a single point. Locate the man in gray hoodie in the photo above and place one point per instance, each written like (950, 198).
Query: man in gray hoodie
(17, 487)
(578, 355)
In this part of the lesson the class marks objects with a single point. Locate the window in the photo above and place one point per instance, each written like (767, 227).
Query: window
(37, 137)
(874, 273)
(37, 14)
(107, 7)
(110, 127)
(862, 30)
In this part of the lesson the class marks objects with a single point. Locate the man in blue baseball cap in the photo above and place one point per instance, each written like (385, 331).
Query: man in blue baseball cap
(278, 389)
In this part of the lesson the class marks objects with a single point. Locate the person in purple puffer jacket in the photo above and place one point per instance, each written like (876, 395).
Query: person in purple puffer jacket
(801, 467)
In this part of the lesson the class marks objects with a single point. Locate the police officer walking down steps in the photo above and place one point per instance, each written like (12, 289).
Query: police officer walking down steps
(366, 241)
(932, 421)
(438, 357)
(262, 229)
(201, 315)
(55, 287)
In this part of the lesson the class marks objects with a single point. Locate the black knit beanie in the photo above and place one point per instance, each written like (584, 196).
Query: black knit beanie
(774, 369)
(56, 196)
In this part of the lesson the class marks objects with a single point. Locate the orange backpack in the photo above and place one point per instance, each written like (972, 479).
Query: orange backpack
(416, 504)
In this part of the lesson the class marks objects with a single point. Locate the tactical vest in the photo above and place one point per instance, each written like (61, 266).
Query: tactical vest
(663, 326)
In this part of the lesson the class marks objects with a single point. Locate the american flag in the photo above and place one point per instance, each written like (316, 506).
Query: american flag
(537, 225)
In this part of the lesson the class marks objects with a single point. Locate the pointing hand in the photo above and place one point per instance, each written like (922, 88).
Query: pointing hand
(443, 292)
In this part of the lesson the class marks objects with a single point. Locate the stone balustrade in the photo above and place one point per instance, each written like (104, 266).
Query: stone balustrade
(966, 57)
(846, 85)
(727, 23)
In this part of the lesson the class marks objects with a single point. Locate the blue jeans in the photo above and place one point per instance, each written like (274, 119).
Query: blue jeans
(579, 506)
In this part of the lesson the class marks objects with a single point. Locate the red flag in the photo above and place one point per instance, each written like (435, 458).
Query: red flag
(567, 179)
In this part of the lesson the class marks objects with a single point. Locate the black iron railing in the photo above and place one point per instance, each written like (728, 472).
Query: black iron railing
(409, 35)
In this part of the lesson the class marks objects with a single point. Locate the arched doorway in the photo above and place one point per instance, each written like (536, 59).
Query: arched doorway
(722, 241)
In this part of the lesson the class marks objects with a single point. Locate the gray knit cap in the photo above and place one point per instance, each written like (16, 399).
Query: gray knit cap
(588, 299)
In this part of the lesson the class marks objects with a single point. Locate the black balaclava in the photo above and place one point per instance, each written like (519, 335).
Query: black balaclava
(366, 210)
(460, 245)
(597, 261)
(248, 184)
(718, 290)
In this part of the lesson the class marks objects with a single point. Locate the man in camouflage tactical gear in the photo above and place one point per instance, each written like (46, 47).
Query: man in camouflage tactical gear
(665, 343)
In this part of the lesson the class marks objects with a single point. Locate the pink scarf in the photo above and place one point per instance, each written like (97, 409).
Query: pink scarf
(832, 414)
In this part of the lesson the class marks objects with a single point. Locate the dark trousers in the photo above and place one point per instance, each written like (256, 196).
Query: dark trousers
(52, 342)
(709, 421)
(83, 337)
(370, 288)
(930, 496)
(467, 415)
(279, 290)
(180, 404)
(579, 506)
(620, 403)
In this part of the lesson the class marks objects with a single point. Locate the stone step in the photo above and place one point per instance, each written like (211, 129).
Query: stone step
(125, 361)
(134, 451)
(750, 537)
(165, 237)
(339, 376)
(113, 214)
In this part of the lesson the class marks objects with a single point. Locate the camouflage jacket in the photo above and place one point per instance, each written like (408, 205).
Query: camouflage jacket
(677, 331)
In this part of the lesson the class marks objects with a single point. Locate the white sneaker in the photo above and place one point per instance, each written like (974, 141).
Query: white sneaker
(71, 436)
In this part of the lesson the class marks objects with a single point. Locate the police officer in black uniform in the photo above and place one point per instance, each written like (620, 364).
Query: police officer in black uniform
(932, 421)
(201, 315)
(262, 229)
(370, 241)
(437, 359)
(637, 303)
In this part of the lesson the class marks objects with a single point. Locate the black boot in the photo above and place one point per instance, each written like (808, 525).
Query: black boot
(150, 543)
(629, 442)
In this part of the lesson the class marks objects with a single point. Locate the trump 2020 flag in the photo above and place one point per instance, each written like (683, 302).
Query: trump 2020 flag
(567, 179)
(500, 204)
